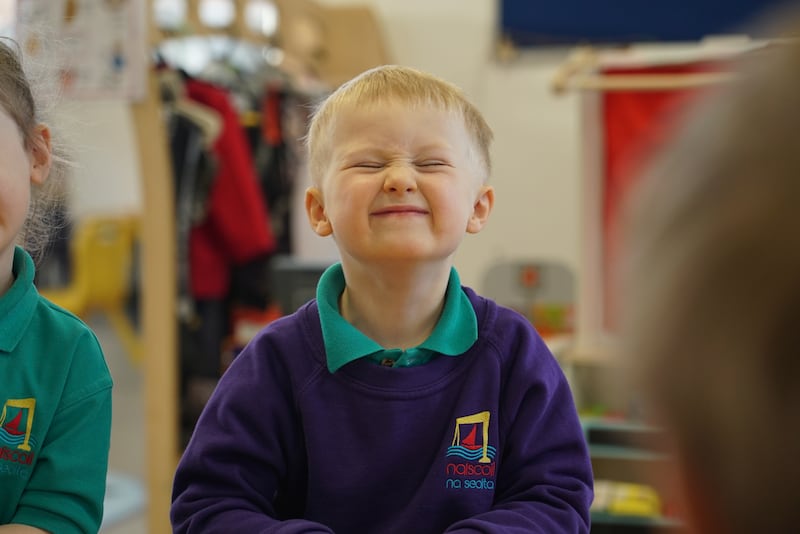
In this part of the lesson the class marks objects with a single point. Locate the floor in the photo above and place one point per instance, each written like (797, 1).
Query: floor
(126, 493)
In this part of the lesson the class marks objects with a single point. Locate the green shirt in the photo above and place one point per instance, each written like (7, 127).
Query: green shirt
(55, 412)
(455, 332)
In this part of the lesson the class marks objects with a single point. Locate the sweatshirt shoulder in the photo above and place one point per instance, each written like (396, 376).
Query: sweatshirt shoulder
(298, 328)
(519, 351)
(290, 346)
(506, 330)
(496, 321)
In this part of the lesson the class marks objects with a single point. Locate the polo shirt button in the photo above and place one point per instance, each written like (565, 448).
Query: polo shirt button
(387, 362)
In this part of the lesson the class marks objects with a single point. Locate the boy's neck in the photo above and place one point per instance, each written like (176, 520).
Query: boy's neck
(397, 307)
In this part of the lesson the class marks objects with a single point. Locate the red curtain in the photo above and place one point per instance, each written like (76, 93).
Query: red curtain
(635, 125)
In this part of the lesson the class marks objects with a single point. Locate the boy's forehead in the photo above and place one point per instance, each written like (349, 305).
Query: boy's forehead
(393, 117)
(369, 108)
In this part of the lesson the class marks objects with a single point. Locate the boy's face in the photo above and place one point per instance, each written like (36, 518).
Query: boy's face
(402, 184)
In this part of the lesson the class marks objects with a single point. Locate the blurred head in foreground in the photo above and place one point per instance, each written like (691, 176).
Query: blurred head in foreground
(711, 293)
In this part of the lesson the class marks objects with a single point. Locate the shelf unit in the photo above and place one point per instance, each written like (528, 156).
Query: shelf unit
(627, 451)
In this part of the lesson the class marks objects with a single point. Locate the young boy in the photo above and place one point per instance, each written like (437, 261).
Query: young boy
(397, 401)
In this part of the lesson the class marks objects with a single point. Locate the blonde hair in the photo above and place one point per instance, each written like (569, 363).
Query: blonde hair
(399, 84)
(19, 99)
(712, 294)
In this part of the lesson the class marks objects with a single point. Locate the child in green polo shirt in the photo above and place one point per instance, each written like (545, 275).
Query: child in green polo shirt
(398, 400)
(55, 392)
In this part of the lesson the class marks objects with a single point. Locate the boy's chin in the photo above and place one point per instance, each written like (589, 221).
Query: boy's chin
(409, 257)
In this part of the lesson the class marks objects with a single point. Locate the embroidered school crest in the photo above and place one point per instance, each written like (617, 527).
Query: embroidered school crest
(473, 466)
(17, 443)
(16, 423)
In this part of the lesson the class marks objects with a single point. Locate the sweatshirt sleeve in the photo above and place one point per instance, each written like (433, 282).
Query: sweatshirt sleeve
(544, 482)
(237, 465)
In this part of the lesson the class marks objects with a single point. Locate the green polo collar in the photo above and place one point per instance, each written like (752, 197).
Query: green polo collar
(18, 303)
(455, 332)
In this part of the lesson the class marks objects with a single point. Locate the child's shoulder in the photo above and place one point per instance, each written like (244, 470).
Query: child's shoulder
(300, 326)
(293, 341)
(506, 329)
(60, 323)
(68, 358)
(516, 345)
(497, 318)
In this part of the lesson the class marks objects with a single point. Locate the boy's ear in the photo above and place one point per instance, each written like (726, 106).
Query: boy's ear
(41, 155)
(315, 209)
(481, 210)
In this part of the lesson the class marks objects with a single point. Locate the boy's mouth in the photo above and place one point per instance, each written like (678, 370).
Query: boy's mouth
(399, 210)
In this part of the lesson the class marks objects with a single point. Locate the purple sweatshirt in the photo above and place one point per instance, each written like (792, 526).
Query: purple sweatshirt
(488, 441)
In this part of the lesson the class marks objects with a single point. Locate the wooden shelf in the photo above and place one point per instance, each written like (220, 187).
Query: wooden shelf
(627, 450)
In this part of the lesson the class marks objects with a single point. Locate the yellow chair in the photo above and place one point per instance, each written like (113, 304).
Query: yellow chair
(101, 257)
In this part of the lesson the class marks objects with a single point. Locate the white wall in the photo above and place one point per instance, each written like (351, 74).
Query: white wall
(107, 177)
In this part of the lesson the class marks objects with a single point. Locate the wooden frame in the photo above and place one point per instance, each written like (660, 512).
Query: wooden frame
(157, 311)
(158, 301)
(574, 75)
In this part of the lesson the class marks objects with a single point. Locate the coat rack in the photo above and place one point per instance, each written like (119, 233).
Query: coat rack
(323, 42)
(158, 268)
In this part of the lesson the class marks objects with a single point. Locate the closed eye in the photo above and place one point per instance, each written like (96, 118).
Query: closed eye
(433, 163)
(368, 165)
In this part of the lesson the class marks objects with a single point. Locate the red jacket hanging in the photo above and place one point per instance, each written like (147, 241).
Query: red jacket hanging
(237, 226)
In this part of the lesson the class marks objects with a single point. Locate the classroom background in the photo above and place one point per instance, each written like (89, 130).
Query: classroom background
(186, 119)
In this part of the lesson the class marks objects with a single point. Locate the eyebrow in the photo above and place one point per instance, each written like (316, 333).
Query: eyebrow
(380, 150)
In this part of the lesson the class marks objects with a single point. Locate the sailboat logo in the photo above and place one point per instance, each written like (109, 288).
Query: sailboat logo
(473, 445)
(16, 421)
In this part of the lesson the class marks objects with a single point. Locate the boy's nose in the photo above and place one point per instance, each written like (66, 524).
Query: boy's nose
(399, 178)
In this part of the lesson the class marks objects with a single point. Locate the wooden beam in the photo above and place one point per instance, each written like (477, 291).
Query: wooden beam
(157, 308)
